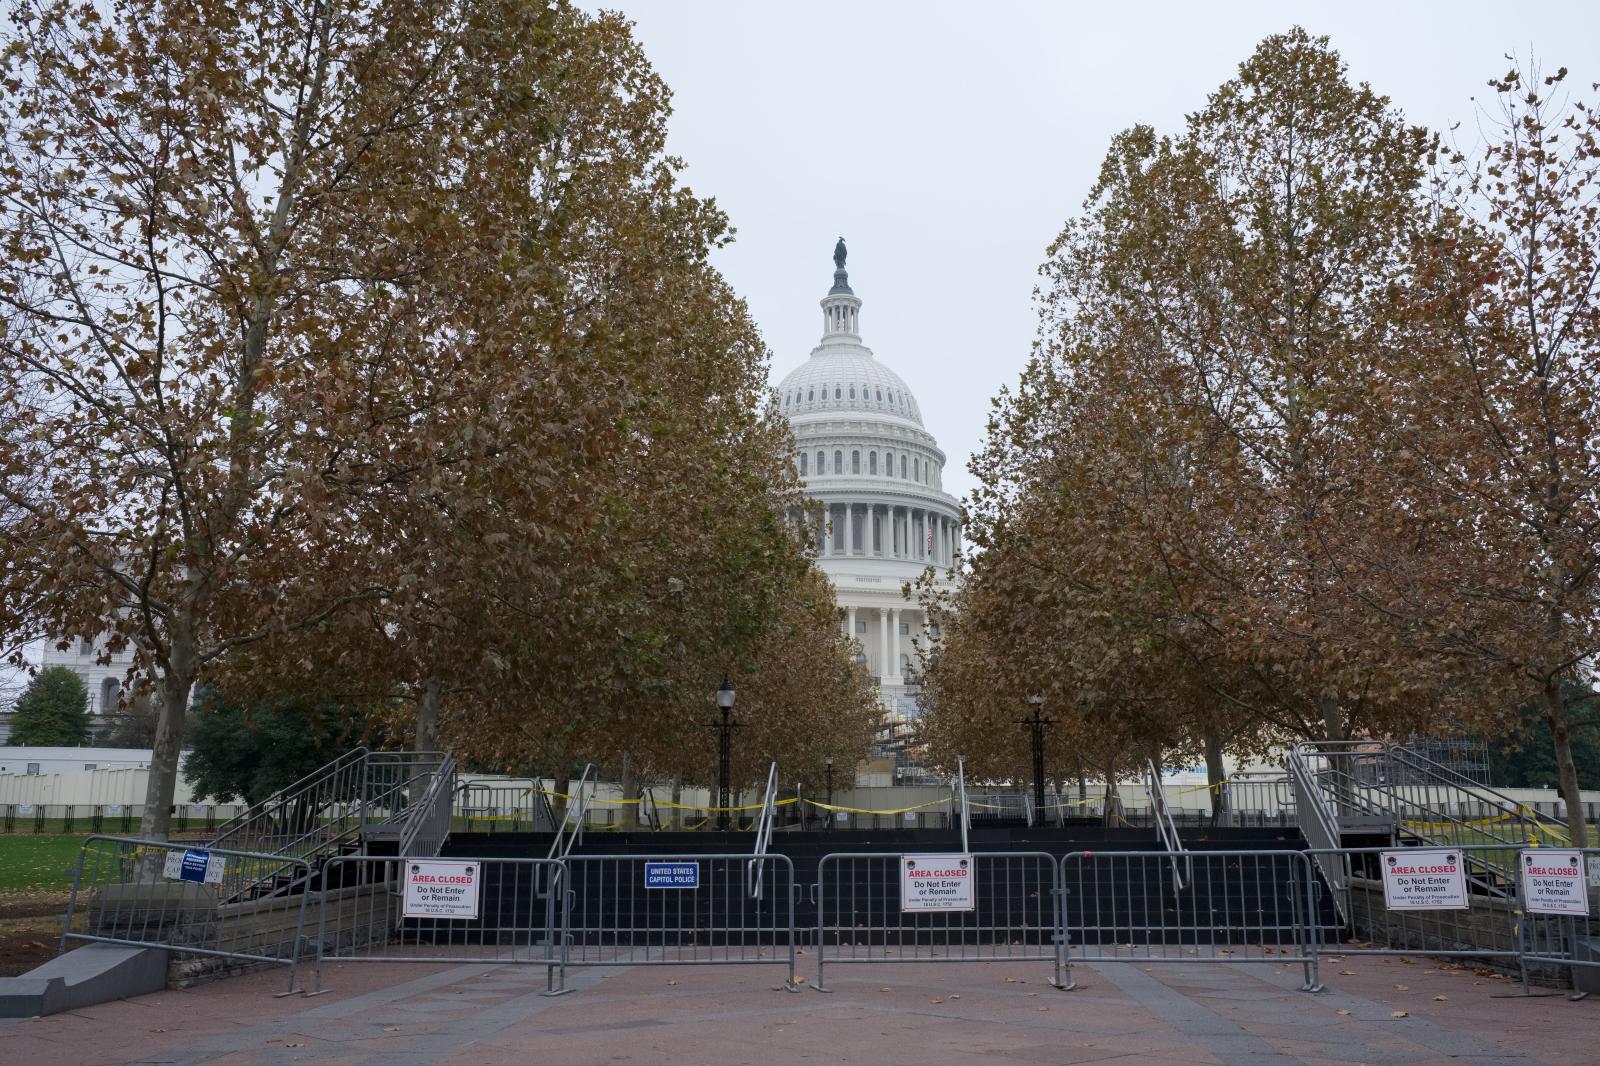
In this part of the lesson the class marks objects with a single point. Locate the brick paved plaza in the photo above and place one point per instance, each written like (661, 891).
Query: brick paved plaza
(400, 1015)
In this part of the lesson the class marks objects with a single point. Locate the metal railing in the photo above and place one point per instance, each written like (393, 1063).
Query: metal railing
(649, 809)
(1550, 942)
(1429, 802)
(1166, 831)
(573, 815)
(425, 823)
(1363, 922)
(1266, 794)
(1013, 914)
(633, 910)
(769, 799)
(317, 814)
(961, 797)
(360, 917)
(1240, 907)
(1319, 824)
(151, 893)
(514, 805)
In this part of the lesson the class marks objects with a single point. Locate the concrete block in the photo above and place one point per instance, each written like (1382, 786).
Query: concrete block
(94, 973)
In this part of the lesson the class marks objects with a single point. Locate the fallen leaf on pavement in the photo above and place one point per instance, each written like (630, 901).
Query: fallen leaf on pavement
(1399, 1014)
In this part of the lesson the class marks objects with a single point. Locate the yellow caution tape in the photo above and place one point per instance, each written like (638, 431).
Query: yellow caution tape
(660, 803)
(864, 810)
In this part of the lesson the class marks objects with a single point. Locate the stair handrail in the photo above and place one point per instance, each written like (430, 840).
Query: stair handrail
(756, 867)
(1166, 829)
(426, 823)
(281, 799)
(564, 840)
(960, 789)
(1405, 758)
(649, 812)
(1027, 807)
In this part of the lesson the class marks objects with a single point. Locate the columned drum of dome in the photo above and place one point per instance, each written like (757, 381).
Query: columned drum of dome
(865, 456)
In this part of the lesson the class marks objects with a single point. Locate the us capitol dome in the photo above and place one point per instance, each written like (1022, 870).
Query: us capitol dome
(865, 456)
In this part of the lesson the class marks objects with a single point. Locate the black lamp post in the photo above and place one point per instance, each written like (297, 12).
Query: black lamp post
(724, 729)
(827, 765)
(1036, 723)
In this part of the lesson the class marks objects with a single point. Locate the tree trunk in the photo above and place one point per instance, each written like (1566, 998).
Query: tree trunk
(628, 816)
(176, 680)
(1216, 774)
(1340, 758)
(427, 734)
(1113, 800)
(1555, 713)
(559, 804)
(675, 816)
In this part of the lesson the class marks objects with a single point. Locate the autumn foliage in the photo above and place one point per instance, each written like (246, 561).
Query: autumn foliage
(1309, 444)
(370, 349)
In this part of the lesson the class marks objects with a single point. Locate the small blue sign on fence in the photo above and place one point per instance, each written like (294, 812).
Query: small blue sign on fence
(192, 864)
(672, 875)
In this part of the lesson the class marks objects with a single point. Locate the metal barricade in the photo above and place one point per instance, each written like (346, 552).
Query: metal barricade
(863, 917)
(151, 893)
(1552, 942)
(361, 916)
(510, 806)
(679, 910)
(1364, 923)
(1237, 907)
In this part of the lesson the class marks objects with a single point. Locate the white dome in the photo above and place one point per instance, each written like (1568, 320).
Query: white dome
(877, 515)
(846, 379)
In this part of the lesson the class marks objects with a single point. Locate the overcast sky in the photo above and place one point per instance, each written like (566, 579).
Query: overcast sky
(949, 142)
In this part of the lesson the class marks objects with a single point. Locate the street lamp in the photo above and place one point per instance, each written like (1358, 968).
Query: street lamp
(1036, 723)
(827, 765)
(724, 729)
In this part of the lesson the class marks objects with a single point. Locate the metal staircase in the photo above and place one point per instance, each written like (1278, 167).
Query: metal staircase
(1361, 792)
(361, 798)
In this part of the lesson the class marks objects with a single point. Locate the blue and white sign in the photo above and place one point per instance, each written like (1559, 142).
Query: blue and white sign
(672, 875)
(192, 864)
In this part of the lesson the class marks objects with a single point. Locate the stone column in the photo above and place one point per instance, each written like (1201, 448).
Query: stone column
(849, 534)
(885, 670)
(894, 643)
(850, 622)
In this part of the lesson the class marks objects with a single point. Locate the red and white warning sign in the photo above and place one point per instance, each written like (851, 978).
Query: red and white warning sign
(1552, 882)
(441, 889)
(1417, 879)
(936, 883)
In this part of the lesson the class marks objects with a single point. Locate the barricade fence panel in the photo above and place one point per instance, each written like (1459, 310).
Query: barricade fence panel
(502, 807)
(1233, 907)
(1363, 921)
(629, 910)
(153, 893)
(1549, 941)
(510, 914)
(881, 908)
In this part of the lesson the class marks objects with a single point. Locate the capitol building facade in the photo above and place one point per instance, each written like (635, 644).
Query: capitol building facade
(878, 475)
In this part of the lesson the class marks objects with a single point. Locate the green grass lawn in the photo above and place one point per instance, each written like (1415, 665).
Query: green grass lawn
(37, 863)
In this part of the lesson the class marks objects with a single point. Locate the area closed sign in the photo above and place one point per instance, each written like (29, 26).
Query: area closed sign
(1553, 882)
(1418, 879)
(936, 883)
(441, 889)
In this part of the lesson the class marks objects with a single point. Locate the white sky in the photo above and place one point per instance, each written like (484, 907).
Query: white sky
(949, 142)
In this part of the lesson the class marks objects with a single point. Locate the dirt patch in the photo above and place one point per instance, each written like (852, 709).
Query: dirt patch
(29, 932)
